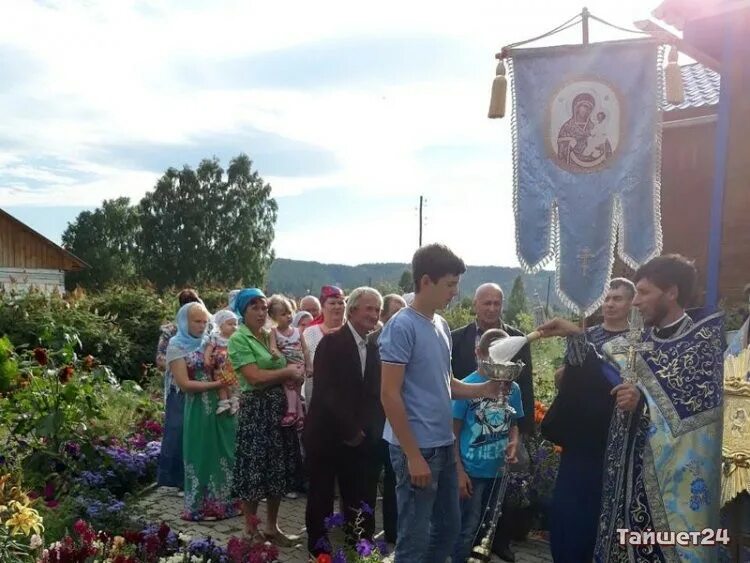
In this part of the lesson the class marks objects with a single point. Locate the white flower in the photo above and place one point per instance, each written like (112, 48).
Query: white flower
(36, 542)
(180, 558)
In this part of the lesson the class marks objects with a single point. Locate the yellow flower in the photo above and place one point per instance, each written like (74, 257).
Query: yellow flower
(20, 497)
(24, 521)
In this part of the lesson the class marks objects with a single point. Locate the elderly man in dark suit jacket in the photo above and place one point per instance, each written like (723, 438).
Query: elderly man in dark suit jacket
(345, 423)
(488, 306)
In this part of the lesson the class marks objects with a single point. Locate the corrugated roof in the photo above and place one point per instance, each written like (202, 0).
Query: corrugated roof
(702, 88)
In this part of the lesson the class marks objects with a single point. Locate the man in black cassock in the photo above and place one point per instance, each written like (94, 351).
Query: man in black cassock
(578, 421)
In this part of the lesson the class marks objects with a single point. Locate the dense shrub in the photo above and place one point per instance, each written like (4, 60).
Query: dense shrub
(138, 312)
(213, 298)
(34, 319)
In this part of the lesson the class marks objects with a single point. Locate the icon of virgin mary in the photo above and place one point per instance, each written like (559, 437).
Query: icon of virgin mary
(582, 141)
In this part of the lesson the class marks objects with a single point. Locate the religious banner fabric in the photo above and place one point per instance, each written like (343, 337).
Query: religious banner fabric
(587, 161)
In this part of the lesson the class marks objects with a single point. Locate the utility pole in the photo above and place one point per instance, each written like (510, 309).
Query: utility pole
(421, 203)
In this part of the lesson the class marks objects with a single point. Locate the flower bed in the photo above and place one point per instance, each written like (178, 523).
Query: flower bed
(531, 486)
(150, 544)
(362, 550)
(79, 444)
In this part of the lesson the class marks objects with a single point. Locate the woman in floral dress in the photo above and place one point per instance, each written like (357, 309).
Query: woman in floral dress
(268, 454)
(208, 438)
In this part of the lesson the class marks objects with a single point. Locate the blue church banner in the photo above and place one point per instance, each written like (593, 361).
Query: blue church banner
(587, 161)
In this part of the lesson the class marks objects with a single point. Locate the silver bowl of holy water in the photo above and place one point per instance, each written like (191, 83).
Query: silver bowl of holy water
(498, 368)
(501, 371)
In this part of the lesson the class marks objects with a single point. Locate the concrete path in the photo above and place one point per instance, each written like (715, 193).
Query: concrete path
(164, 505)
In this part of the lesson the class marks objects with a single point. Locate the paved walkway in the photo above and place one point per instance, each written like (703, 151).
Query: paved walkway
(164, 505)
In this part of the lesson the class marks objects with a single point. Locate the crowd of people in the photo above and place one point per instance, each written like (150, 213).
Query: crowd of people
(269, 397)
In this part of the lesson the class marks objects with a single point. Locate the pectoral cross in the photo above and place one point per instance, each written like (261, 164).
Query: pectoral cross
(583, 257)
(634, 345)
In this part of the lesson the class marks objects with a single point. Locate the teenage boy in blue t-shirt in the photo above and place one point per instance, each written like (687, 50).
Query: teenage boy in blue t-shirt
(416, 390)
(487, 437)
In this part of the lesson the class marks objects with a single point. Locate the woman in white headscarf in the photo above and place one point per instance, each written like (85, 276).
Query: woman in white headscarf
(208, 444)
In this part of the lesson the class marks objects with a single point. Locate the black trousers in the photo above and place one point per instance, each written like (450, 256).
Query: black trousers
(390, 507)
(357, 471)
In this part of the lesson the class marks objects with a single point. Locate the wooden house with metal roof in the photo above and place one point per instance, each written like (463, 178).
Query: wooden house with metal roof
(28, 259)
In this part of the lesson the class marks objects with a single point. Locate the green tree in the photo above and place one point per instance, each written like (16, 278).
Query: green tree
(516, 304)
(206, 227)
(105, 239)
(386, 287)
(406, 282)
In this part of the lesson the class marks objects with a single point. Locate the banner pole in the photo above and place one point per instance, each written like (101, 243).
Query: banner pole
(585, 25)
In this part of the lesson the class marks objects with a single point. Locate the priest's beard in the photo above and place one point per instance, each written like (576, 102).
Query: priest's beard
(661, 309)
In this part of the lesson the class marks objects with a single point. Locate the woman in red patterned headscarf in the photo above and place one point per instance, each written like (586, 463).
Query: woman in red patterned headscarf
(332, 301)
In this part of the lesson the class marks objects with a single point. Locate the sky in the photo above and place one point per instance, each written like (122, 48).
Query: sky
(349, 110)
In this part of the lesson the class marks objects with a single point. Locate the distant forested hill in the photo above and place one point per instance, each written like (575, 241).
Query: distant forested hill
(297, 278)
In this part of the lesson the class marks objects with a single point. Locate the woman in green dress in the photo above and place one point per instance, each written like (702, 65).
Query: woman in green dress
(208, 439)
(268, 457)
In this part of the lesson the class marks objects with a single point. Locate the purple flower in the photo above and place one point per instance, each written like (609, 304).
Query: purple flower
(200, 547)
(364, 548)
(339, 556)
(117, 506)
(91, 479)
(335, 520)
(367, 509)
(73, 449)
(94, 509)
(152, 450)
(382, 547)
(323, 545)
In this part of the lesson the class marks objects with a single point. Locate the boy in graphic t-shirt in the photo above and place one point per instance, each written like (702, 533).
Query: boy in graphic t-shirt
(487, 437)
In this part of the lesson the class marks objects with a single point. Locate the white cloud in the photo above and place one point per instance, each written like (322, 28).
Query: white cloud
(102, 74)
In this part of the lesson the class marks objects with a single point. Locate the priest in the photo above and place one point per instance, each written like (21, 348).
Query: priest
(662, 470)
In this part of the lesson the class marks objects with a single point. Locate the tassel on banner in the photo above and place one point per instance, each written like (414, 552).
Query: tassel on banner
(736, 478)
(499, 92)
(675, 89)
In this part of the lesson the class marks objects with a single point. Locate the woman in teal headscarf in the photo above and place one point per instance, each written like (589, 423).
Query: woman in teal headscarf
(208, 439)
(268, 457)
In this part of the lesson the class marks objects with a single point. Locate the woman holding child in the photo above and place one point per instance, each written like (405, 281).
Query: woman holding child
(268, 458)
(208, 438)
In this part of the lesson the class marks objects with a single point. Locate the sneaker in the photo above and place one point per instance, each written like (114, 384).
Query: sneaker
(224, 406)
